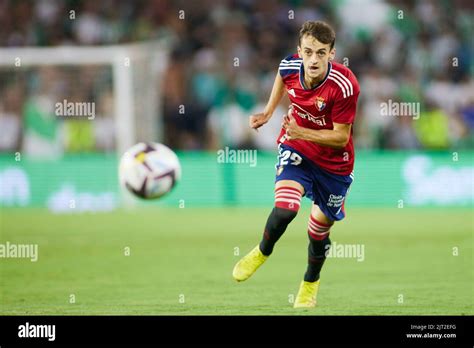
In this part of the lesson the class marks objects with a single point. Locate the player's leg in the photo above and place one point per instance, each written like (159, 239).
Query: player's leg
(287, 203)
(319, 243)
(329, 192)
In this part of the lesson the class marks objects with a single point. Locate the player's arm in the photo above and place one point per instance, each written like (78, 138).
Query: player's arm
(337, 138)
(258, 120)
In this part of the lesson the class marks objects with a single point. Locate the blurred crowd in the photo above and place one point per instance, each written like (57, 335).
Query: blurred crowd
(223, 63)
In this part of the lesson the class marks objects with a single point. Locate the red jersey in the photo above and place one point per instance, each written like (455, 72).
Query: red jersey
(333, 100)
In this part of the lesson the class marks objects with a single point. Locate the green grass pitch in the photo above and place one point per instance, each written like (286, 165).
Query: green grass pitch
(181, 262)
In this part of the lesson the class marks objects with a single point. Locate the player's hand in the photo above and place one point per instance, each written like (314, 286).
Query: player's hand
(293, 131)
(258, 120)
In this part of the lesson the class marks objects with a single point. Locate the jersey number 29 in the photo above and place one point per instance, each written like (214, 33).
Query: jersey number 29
(286, 156)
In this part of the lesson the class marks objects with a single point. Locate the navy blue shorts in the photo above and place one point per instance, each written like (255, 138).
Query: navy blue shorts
(326, 190)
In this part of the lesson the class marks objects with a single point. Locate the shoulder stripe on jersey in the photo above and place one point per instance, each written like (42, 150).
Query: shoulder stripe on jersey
(346, 79)
(292, 60)
(330, 77)
(344, 83)
(290, 64)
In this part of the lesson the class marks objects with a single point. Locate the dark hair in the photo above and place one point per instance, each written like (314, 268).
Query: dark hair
(322, 31)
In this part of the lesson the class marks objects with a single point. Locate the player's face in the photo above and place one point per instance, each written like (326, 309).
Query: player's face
(316, 56)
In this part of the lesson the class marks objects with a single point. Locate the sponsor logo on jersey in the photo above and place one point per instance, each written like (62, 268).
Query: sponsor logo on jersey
(319, 120)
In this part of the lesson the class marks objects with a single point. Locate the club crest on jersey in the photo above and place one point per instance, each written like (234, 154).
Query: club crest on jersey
(320, 104)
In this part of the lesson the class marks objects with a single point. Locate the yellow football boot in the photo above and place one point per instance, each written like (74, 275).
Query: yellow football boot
(248, 264)
(307, 293)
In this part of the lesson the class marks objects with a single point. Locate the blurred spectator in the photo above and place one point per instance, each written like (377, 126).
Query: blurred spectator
(467, 116)
(10, 118)
(371, 125)
(104, 124)
(432, 127)
(401, 134)
(228, 124)
(42, 137)
(89, 26)
(78, 129)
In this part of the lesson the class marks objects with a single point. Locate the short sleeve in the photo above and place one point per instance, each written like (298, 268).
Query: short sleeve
(289, 65)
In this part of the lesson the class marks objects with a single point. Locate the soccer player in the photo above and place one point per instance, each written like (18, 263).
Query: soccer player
(316, 152)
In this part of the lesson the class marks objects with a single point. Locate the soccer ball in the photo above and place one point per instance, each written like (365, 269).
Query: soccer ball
(149, 170)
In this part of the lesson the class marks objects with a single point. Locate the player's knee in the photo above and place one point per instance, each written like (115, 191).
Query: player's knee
(283, 216)
(288, 198)
(318, 230)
